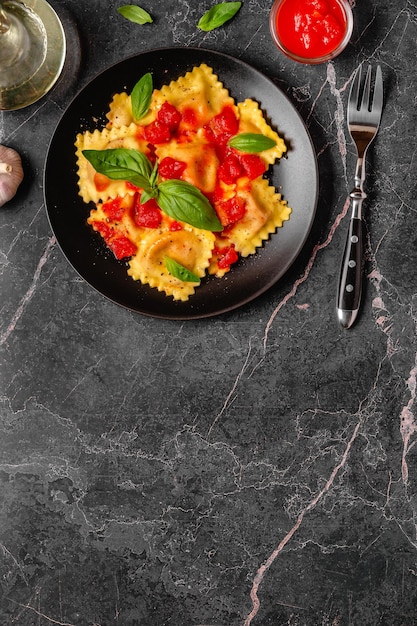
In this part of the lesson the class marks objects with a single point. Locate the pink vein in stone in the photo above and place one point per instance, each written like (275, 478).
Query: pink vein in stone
(30, 292)
(383, 320)
(340, 112)
(408, 425)
(264, 568)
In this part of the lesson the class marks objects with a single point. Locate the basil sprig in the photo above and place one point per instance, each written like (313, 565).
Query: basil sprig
(122, 164)
(141, 96)
(184, 202)
(218, 15)
(135, 14)
(251, 142)
(179, 271)
(177, 198)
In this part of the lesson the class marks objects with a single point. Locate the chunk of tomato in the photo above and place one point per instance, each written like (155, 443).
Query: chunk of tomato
(226, 256)
(171, 168)
(102, 228)
(148, 214)
(114, 209)
(252, 165)
(222, 126)
(175, 226)
(189, 117)
(157, 132)
(121, 247)
(230, 169)
(230, 211)
(170, 116)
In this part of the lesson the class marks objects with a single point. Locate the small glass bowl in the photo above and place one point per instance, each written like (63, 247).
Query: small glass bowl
(345, 6)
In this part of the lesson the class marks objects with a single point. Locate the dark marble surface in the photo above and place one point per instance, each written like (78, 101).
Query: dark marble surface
(257, 468)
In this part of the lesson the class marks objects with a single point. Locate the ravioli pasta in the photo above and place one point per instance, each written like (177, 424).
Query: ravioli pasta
(194, 149)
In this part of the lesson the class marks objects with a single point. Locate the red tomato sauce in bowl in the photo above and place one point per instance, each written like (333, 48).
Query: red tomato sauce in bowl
(311, 31)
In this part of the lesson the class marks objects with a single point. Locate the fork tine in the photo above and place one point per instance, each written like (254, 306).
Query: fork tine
(378, 90)
(366, 97)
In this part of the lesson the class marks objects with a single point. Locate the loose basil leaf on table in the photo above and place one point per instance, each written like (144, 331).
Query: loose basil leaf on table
(141, 96)
(135, 14)
(179, 271)
(121, 164)
(251, 142)
(218, 15)
(185, 203)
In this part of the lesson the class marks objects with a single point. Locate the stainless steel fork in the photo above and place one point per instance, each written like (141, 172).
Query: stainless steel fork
(364, 116)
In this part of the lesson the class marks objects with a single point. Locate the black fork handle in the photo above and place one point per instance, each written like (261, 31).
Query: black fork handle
(350, 283)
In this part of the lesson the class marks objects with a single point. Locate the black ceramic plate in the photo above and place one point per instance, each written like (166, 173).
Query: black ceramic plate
(84, 249)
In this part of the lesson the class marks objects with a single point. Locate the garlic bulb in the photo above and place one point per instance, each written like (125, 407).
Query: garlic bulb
(11, 173)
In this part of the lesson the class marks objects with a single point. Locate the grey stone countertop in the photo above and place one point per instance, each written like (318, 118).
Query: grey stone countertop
(253, 468)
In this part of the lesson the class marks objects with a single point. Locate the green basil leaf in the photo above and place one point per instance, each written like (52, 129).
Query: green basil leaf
(185, 203)
(121, 164)
(148, 194)
(135, 14)
(154, 174)
(179, 271)
(218, 15)
(141, 96)
(251, 142)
